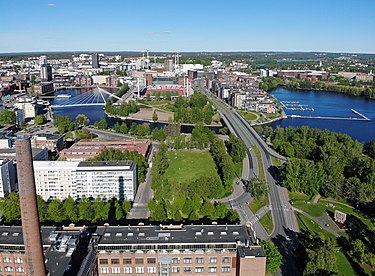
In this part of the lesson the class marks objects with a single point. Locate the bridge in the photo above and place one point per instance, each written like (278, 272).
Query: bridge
(96, 97)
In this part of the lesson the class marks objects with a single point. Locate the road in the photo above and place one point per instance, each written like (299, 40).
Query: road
(285, 223)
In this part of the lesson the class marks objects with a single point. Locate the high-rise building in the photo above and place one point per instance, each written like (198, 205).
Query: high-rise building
(95, 60)
(45, 72)
(29, 210)
(168, 65)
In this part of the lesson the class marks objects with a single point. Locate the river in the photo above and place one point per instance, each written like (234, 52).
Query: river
(96, 112)
(328, 104)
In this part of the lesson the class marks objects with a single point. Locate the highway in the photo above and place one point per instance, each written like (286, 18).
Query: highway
(285, 223)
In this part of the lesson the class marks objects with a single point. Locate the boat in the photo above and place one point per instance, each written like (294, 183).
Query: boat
(63, 96)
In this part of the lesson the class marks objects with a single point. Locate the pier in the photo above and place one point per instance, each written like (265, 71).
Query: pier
(360, 114)
(296, 106)
(328, 118)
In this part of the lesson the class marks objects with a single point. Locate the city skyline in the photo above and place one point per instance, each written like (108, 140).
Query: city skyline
(167, 26)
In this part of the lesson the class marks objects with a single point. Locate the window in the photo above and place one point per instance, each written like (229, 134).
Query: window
(138, 260)
(188, 260)
(212, 269)
(151, 260)
(187, 269)
(226, 260)
(213, 260)
(116, 270)
(104, 270)
(176, 260)
(103, 261)
(199, 260)
(8, 269)
(151, 270)
(139, 270)
(19, 269)
(175, 269)
(7, 260)
(128, 270)
(115, 261)
(225, 269)
(199, 269)
(18, 260)
(127, 261)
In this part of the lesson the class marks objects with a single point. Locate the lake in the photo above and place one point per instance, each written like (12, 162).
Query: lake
(327, 104)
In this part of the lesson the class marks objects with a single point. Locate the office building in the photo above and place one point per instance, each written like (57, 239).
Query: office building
(53, 142)
(7, 177)
(29, 210)
(95, 60)
(46, 72)
(60, 179)
(168, 65)
(28, 108)
(38, 154)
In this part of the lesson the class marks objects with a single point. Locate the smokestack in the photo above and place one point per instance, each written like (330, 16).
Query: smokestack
(29, 208)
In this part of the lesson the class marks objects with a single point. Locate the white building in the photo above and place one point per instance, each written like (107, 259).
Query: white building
(7, 177)
(28, 107)
(59, 179)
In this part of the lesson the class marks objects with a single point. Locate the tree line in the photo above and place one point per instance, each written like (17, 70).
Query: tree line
(197, 109)
(109, 154)
(65, 124)
(324, 162)
(80, 210)
(123, 89)
(351, 88)
(122, 110)
(188, 201)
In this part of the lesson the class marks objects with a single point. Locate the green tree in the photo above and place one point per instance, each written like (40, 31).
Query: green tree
(69, 209)
(358, 250)
(257, 187)
(7, 117)
(10, 206)
(123, 128)
(39, 119)
(155, 116)
(274, 257)
(41, 205)
(126, 206)
(102, 124)
(119, 212)
(54, 211)
(85, 209)
(82, 120)
(237, 148)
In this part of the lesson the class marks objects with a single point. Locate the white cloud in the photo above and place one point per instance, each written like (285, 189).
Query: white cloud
(52, 5)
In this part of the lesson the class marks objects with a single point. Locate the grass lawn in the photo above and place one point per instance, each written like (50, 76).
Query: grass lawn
(276, 162)
(238, 169)
(260, 163)
(248, 115)
(305, 223)
(187, 166)
(267, 222)
(344, 265)
(256, 204)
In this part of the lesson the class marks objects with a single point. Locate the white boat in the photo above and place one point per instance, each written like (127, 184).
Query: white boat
(63, 96)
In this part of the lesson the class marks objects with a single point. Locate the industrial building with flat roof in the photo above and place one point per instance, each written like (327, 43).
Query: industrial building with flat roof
(83, 150)
(132, 250)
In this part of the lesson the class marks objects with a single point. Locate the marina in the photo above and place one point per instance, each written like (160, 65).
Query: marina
(294, 105)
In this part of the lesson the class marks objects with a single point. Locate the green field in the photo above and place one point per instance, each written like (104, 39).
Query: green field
(248, 115)
(186, 166)
(238, 169)
(256, 204)
(267, 222)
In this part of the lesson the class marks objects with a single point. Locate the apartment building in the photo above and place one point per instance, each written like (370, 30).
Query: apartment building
(7, 177)
(53, 142)
(60, 179)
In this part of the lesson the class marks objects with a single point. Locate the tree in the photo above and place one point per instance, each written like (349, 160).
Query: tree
(84, 209)
(359, 250)
(82, 120)
(257, 187)
(7, 117)
(155, 116)
(10, 206)
(41, 204)
(39, 119)
(274, 258)
(237, 148)
(102, 124)
(126, 206)
(370, 149)
(54, 211)
(70, 210)
(119, 213)
(123, 128)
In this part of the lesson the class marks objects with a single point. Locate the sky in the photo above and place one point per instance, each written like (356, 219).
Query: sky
(194, 25)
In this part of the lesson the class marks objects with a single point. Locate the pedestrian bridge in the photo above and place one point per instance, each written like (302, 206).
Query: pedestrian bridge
(97, 96)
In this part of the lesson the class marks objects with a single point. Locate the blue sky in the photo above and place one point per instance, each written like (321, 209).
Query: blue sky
(194, 25)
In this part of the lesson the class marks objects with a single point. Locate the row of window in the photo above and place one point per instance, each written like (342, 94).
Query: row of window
(10, 269)
(127, 270)
(10, 260)
(176, 260)
(152, 270)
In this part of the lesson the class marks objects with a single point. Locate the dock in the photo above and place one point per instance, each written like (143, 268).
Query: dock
(360, 114)
(328, 118)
